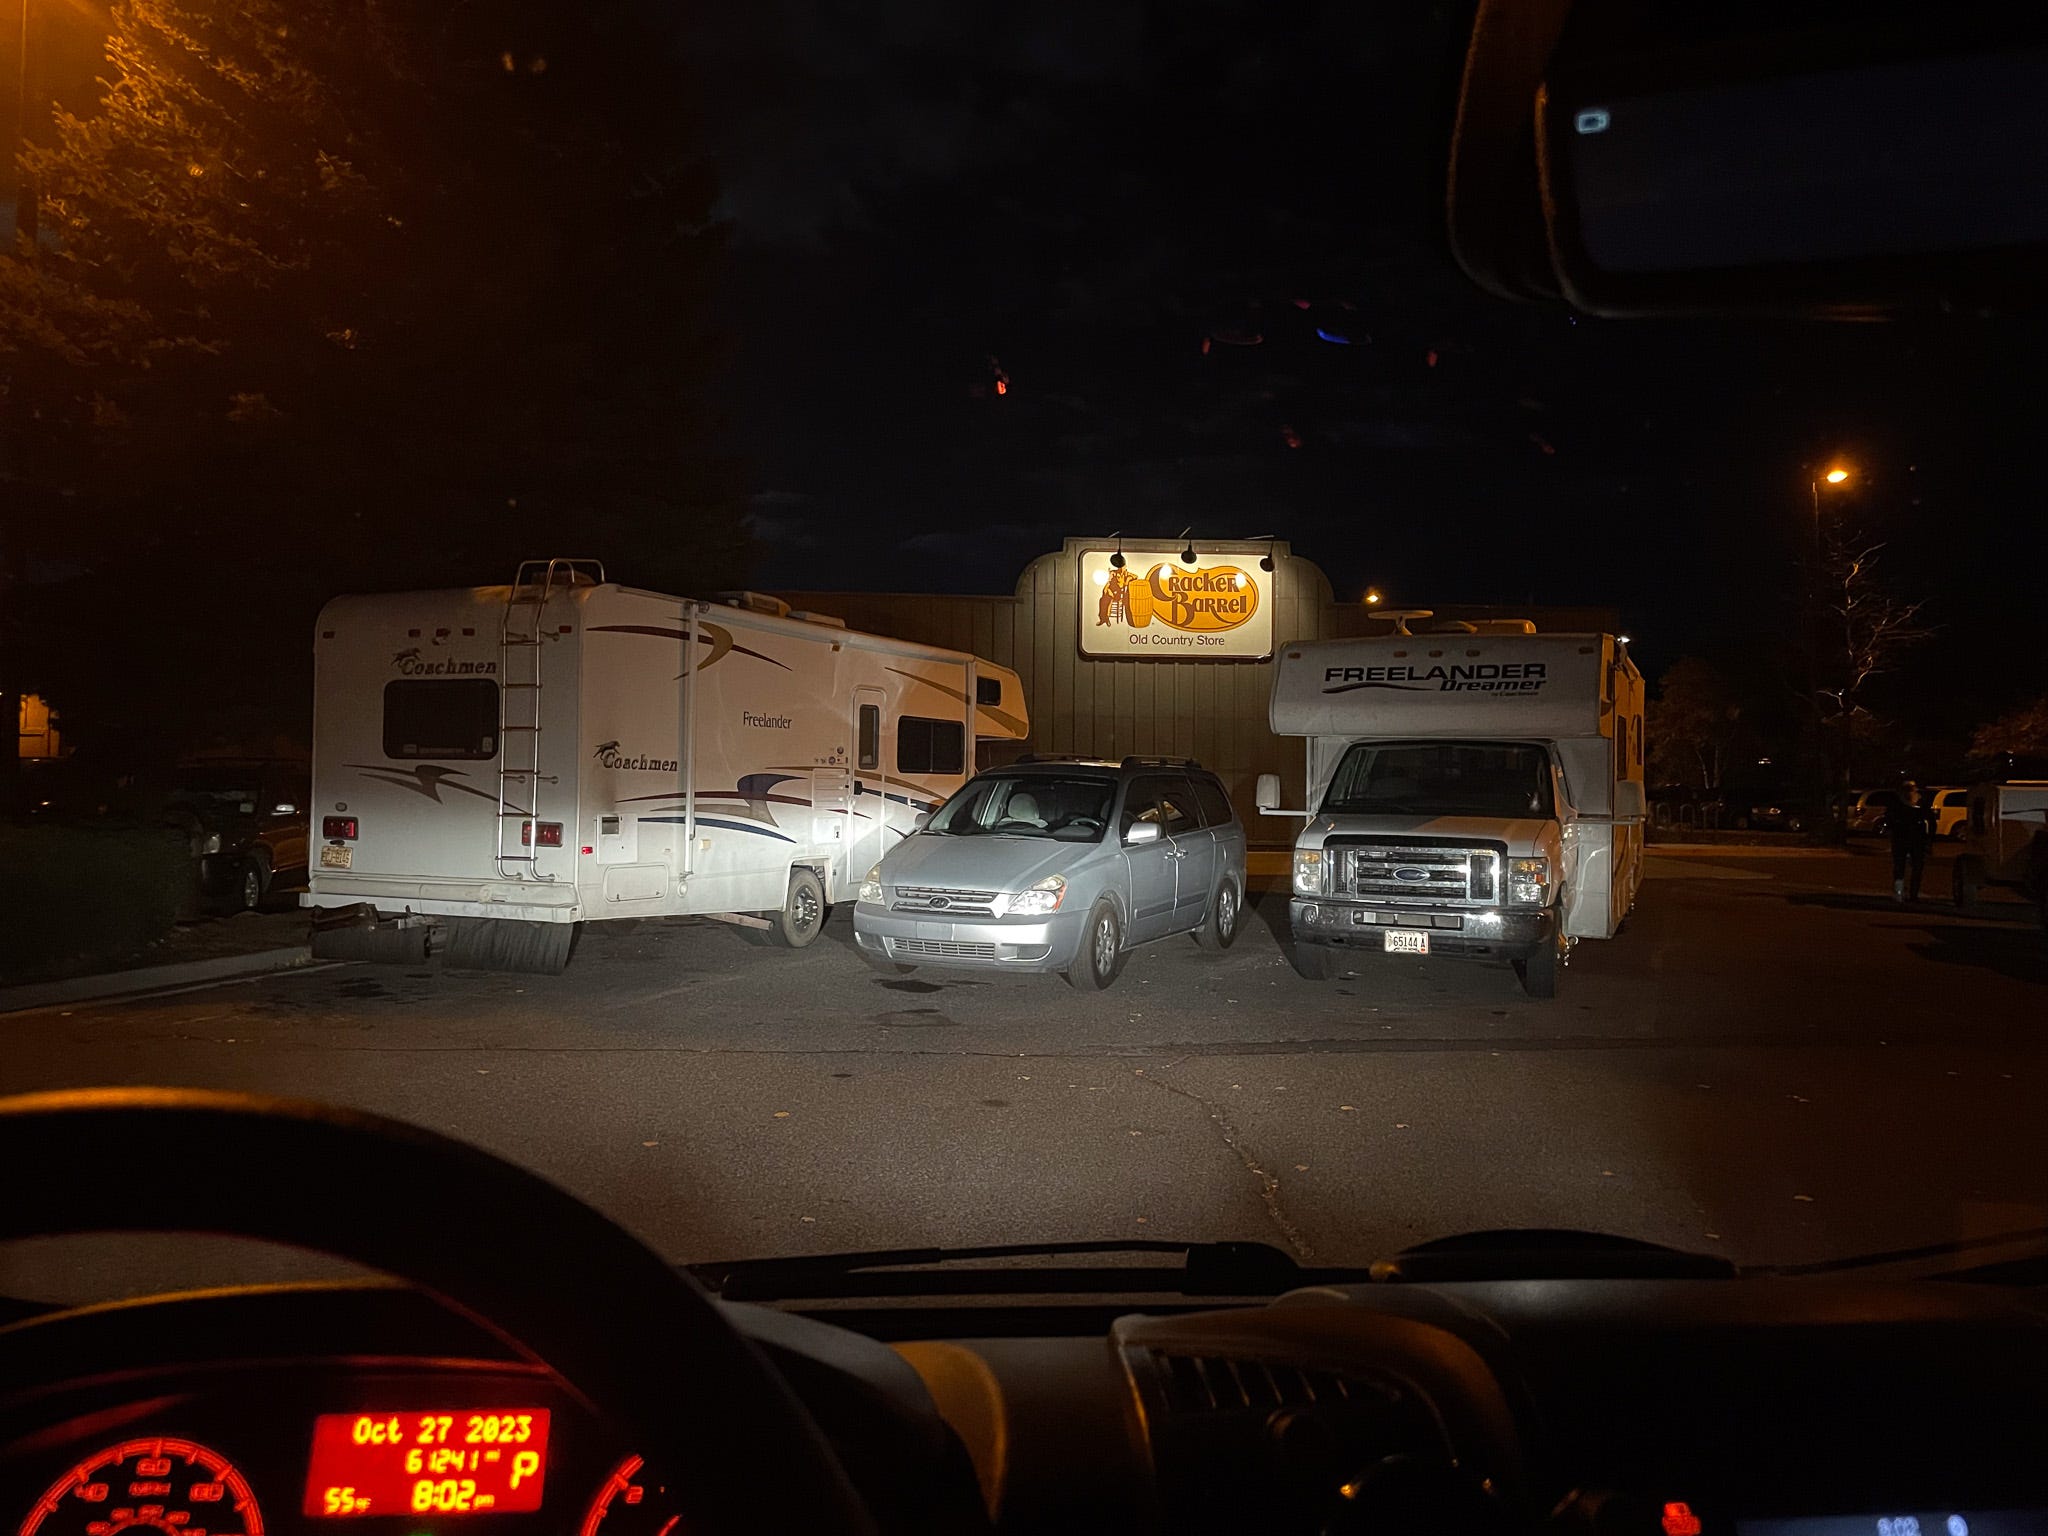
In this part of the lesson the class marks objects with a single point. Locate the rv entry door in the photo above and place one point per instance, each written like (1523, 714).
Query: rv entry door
(874, 743)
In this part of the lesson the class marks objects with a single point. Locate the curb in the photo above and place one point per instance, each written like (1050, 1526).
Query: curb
(151, 978)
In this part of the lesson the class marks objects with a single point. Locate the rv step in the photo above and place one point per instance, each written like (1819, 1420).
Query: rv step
(518, 728)
(519, 685)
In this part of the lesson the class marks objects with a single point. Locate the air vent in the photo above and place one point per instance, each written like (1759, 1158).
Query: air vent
(1217, 1384)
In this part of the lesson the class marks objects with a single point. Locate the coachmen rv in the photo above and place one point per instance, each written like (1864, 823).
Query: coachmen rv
(503, 763)
(1472, 792)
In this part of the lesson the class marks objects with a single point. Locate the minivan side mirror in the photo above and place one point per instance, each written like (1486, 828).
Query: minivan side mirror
(1267, 797)
(1141, 832)
(918, 821)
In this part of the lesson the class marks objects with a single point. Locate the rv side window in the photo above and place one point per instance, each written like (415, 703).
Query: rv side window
(988, 690)
(930, 746)
(870, 755)
(441, 718)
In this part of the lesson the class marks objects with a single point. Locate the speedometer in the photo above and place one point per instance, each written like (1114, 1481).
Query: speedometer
(630, 1505)
(155, 1483)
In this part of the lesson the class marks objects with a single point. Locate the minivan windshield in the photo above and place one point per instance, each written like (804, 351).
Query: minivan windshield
(1441, 778)
(1073, 809)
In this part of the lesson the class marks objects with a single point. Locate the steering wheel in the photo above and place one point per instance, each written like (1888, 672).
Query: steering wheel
(641, 1344)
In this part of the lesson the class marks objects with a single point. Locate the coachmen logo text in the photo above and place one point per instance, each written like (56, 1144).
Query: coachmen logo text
(1208, 600)
(608, 755)
(1479, 677)
(410, 663)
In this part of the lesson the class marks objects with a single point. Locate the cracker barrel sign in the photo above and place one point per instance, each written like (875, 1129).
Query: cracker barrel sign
(1157, 607)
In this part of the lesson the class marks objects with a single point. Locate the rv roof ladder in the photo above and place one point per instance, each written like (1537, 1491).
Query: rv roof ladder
(520, 637)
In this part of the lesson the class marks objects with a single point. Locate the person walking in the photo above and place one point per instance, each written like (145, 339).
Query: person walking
(1911, 832)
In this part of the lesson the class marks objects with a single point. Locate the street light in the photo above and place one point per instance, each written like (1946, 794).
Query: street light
(1373, 597)
(1836, 475)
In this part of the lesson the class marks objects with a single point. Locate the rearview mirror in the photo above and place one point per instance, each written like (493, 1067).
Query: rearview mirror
(1629, 801)
(1141, 832)
(1267, 797)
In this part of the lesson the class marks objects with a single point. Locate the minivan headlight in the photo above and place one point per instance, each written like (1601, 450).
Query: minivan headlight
(1528, 882)
(1042, 898)
(1311, 872)
(871, 886)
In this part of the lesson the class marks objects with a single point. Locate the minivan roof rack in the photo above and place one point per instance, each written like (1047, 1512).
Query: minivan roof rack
(1160, 762)
(1057, 757)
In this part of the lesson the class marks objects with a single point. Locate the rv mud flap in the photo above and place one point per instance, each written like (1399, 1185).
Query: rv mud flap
(357, 932)
(506, 944)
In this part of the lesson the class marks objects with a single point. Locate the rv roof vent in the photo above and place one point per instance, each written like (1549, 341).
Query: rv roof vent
(1504, 627)
(817, 618)
(754, 602)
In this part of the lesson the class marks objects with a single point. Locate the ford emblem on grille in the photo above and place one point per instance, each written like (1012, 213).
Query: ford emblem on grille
(940, 901)
(1411, 874)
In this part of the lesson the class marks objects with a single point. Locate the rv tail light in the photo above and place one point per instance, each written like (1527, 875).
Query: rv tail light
(540, 834)
(342, 827)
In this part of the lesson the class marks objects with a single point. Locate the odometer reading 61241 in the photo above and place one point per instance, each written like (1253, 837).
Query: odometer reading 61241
(468, 1461)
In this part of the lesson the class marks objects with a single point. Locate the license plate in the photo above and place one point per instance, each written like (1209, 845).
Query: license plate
(336, 856)
(1407, 941)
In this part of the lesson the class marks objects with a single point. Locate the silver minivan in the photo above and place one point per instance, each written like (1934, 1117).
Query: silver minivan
(1060, 864)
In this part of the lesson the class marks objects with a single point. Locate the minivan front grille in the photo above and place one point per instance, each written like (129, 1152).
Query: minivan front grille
(931, 898)
(951, 949)
(1431, 875)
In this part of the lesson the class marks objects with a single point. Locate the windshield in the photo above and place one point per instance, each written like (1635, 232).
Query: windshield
(723, 496)
(1442, 778)
(1072, 809)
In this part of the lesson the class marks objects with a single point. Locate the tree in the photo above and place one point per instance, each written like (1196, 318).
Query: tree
(1692, 724)
(2020, 732)
(1866, 629)
(368, 293)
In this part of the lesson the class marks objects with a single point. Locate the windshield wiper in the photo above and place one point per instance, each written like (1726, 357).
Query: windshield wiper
(1205, 1269)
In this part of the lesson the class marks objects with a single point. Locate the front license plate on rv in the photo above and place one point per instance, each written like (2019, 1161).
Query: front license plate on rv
(1407, 941)
(336, 856)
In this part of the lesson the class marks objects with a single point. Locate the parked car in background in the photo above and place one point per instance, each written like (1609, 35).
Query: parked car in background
(1780, 814)
(1060, 864)
(1867, 809)
(1951, 808)
(250, 821)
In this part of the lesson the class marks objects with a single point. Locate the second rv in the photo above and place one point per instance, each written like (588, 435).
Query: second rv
(1478, 792)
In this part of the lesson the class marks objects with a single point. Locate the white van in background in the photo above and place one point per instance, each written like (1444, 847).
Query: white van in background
(1470, 792)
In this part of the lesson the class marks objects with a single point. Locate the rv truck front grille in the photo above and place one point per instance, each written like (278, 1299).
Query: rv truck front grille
(928, 898)
(1426, 875)
(950, 948)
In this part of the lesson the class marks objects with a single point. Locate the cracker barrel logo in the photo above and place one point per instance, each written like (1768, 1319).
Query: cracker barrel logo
(1206, 600)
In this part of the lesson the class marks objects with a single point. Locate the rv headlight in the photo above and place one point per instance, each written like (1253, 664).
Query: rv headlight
(1528, 882)
(1311, 872)
(871, 886)
(1042, 898)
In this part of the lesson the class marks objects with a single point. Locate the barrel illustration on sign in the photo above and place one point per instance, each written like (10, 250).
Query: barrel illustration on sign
(1173, 610)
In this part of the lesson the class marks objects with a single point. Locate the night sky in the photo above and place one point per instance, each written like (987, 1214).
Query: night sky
(1068, 198)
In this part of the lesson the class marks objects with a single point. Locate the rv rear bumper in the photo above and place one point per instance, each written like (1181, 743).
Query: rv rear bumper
(1046, 944)
(558, 905)
(1510, 933)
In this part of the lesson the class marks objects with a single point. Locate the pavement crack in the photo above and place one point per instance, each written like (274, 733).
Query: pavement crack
(1233, 1138)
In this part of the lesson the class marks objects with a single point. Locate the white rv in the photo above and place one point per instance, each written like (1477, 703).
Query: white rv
(499, 764)
(1470, 792)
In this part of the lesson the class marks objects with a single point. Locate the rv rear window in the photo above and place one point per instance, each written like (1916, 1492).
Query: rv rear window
(441, 718)
(930, 746)
(988, 690)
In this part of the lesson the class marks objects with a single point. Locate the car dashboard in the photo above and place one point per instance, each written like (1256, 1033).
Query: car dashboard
(1654, 1407)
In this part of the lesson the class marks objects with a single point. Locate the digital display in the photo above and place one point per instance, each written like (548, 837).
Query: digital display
(1906, 1522)
(467, 1461)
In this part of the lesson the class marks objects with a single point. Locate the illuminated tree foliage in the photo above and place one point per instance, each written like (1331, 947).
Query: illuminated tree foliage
(410, 288)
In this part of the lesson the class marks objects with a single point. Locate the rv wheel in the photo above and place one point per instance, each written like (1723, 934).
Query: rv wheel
(1539, 971)
(802, 917)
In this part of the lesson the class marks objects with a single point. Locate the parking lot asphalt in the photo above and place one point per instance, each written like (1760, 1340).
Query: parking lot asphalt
(1772, 1062)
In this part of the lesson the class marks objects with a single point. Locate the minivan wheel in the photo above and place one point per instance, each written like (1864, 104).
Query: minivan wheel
(1219, 928)
(1101, 954)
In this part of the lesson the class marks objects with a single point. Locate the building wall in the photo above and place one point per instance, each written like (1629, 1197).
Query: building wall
(1211, 710)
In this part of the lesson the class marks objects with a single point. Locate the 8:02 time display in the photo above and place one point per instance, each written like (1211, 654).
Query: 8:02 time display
(462, 1462)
